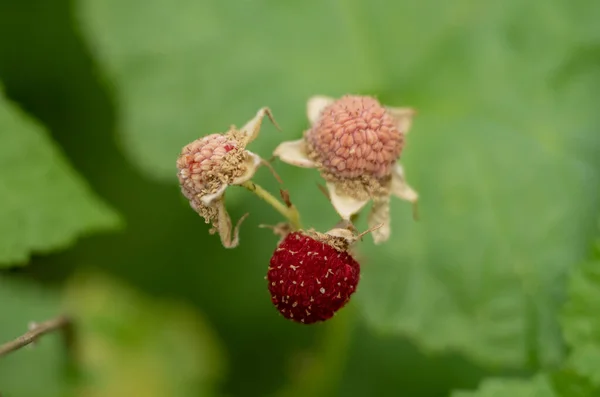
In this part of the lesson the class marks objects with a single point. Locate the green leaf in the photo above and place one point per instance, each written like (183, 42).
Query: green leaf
(581, 323)
(569, 383)
(44, 204)
(503, 152)
(215, 63)
(133, 345)
(539, 386)
(578, 376)
(502, 159)
(565, 382)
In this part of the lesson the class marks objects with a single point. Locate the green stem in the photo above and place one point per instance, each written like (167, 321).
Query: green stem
(290, 213)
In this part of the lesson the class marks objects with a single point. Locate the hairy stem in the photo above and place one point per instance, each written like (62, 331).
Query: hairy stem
(289, 212)
(62, 324)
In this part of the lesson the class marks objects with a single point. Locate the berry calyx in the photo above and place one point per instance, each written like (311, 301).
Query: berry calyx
(311, 276)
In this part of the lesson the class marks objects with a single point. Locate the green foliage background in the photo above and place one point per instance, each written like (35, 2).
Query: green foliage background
(494, 292)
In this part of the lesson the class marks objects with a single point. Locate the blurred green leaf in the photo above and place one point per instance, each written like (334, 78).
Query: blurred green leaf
(585, 361)
(568, 382)
(318, 371)
(44, 363)
(581, 323)
(215, 63)
(131, 345)
(538, 386)
(44, 204)
(125, 345)
(503, 153)
(578, 376)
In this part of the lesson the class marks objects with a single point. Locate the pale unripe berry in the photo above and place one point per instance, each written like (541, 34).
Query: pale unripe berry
(355, 136)
(207, 163)
(207, 166)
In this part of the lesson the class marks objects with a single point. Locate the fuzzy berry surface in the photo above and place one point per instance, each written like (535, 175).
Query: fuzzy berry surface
(309, 280)
(201, 161)
(356, 136)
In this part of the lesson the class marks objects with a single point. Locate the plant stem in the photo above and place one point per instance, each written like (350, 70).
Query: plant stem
(61, 323)
(290, 213)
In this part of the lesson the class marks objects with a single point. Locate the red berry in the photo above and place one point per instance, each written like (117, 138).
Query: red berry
(311, 276)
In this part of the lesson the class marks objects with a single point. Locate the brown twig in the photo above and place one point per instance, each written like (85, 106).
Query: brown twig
(415, 211)
(61, 323)
(285, 196)
(270, 167)
(324, 190)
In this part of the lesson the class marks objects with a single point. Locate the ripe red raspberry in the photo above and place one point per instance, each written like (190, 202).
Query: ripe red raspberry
(311, 276)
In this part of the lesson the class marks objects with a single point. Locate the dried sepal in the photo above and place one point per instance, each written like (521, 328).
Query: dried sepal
(281, 229)
(380, 215)
(223, 226)
(316, 105)
(400, 188)
(344, 203)
(210, 198)
(347, 235)
(251, 129)
(295, 153)
(403, 116)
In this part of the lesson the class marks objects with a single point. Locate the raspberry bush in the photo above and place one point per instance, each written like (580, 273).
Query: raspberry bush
(490, 292)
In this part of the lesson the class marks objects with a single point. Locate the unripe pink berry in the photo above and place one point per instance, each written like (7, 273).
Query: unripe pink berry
(207, 166)
(355, 136)
(207, 163)
(311, 276)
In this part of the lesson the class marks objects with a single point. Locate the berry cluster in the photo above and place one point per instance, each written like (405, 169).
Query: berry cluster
(355, 143)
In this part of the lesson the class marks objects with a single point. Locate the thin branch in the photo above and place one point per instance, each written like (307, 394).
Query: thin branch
(290, 213)
(61, 323)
